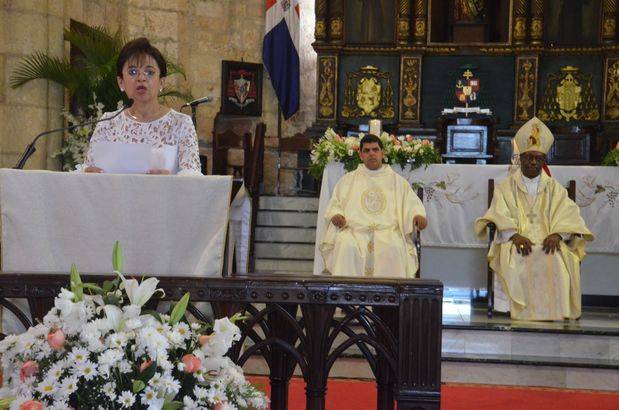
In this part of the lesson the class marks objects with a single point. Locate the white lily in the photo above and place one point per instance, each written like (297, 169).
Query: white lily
(141, 293)
(113, 317)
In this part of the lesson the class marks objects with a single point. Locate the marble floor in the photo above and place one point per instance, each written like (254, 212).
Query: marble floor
(460, 312)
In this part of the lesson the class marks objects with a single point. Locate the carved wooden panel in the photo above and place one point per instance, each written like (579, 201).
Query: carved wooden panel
(410, 88)
(526, 88)
(611, 89)
(327, 87)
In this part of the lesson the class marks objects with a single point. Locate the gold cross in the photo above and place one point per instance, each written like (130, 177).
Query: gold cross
(467, 74)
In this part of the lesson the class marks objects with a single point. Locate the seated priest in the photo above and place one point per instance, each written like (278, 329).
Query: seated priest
(540, 239)
(371, 217)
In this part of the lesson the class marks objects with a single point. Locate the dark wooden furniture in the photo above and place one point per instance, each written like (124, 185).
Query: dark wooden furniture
(222, 144)
(572, 146)
(395, 323)
(297, 144)
(571, 193)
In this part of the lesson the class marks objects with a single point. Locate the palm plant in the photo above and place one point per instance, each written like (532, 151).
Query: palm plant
(91, 72)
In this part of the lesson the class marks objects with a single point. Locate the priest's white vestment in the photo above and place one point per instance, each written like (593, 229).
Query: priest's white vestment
(379, 207)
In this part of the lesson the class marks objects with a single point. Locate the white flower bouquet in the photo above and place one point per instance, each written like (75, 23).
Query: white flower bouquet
(402, 150)
(98, 348)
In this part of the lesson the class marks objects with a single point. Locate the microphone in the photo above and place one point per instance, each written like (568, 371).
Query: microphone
(197, 102)
(30, 149)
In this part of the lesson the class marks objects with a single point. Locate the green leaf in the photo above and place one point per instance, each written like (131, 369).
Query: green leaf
(117, 257)
(138, 386)
(76, 284)
(148, 373)
(93, 287)
(107, 286)
(179, 309)
(172, 405)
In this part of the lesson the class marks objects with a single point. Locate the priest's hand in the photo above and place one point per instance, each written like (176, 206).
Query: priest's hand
(523, 244)
(339, 221)
(93, 170)
(551, 243)
(420, 222)
(158, 172)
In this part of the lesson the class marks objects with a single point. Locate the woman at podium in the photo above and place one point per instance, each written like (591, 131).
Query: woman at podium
(147, 137)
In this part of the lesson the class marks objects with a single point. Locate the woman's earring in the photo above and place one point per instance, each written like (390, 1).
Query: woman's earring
(161, 89)
(122, 90)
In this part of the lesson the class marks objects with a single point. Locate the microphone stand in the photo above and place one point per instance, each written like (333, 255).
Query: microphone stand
(30, 149)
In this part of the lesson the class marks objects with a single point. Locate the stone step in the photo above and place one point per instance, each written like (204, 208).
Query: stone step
(290, 251)
(282, 234)
(288, 203)
(286, 218)
(530, 343)
(284, 265)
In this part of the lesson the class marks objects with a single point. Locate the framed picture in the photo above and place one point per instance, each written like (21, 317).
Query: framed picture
(241, 88)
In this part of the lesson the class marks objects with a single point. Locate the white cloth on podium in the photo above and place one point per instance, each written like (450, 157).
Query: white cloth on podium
(166, 225)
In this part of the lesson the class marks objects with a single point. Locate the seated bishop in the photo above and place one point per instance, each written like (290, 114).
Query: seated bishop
(540, 239)
(371, 217)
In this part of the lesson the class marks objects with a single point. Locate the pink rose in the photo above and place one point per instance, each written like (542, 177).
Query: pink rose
(355, 148)
(191, 362)
(425, 142)
(31, 405)
(203, 339)
(617, 146)
(145, 365)
(409, 138)
(56, 339)
(29, 368)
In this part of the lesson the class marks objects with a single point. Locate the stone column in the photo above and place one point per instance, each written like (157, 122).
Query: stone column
(537, 22)
(320, 30)
(421, 16)
(519, 31)
(404, 21)
(609, 21)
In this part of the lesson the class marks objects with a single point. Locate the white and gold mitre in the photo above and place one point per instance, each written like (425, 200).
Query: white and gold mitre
(534, 135)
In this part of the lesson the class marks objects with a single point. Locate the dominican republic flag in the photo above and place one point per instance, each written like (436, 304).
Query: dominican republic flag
(280, 52)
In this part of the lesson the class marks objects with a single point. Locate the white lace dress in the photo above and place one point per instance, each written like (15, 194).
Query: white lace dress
(173, 130)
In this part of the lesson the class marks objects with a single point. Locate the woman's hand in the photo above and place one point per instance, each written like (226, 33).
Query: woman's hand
(94, 170)
(157, 171)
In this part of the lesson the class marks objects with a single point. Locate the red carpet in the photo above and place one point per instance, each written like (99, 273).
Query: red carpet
(361, 395)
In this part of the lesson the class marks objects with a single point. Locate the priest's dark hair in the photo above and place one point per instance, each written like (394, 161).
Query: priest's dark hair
(368, 139)
(136, 49)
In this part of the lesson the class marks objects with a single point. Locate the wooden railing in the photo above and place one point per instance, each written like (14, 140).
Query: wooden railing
(396, 324)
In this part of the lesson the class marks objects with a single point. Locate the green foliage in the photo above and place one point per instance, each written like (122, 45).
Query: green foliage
(179, 309)
(612, 158)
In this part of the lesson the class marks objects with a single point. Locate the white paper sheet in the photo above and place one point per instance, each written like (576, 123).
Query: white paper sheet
(135, 158)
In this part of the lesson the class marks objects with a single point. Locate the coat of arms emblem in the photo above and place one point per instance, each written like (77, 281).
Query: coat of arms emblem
(243, 90)
(467, 88)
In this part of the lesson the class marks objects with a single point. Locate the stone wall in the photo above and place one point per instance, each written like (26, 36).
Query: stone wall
(197, 33)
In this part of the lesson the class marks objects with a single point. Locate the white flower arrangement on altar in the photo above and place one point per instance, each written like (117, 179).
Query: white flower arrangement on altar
(402, 150)
(99, 349)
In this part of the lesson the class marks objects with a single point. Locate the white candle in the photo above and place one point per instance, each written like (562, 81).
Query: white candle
(375, 127)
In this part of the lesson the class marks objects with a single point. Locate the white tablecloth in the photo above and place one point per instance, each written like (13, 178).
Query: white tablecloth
(455, 195)
(167, 225)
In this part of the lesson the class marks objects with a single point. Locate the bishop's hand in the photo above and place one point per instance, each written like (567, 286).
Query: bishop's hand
(551, 243)
(339, 221)
(522, 243)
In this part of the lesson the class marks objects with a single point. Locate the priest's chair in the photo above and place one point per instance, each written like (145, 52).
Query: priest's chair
(417, 238)
(305, 184)
(571, 193)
